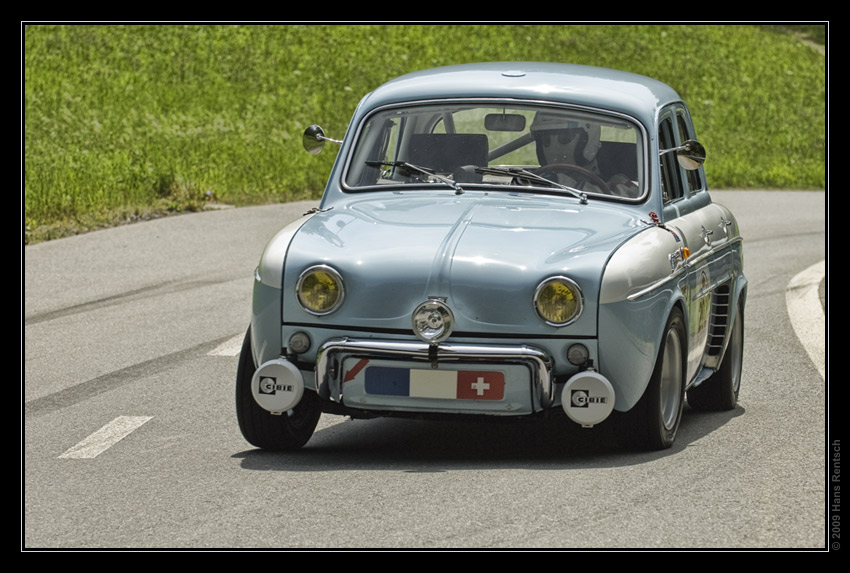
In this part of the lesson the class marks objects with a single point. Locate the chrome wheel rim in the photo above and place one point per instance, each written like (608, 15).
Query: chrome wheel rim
(671, 379)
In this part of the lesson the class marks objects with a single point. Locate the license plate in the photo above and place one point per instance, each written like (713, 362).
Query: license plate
(444, 384)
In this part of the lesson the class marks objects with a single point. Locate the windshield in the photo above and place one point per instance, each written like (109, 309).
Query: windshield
(470, 144)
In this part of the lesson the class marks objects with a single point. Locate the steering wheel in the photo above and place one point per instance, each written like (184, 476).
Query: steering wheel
(574, 170)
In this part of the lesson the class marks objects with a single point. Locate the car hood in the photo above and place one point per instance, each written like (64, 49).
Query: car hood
(484, 253)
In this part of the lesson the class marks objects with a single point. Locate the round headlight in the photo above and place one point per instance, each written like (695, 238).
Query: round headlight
(558, 301)
(320, 290)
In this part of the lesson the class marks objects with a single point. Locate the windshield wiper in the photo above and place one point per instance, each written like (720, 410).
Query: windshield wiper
(410, 168)
(526, 174)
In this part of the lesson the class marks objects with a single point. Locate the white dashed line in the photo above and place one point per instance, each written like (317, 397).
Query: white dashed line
(106, 437)
(806, 313)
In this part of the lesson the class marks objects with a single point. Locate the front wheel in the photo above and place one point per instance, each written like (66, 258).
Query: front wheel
(653, 422)
(287, 431)
(720, 391)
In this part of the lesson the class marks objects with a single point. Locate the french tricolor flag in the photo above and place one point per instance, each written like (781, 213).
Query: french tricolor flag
(446, 384)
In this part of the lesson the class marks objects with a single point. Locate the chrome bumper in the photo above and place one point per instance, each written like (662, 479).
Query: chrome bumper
(328, 372)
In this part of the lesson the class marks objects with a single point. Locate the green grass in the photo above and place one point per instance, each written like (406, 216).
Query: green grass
(130, 121)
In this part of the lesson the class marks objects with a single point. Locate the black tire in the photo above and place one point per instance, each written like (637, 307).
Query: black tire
(720, 391)
(287, 431)
(653, 422)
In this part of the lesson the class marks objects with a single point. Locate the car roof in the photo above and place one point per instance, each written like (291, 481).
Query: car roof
(624, 92)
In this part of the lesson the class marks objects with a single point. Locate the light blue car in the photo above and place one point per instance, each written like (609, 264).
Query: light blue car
(502, 240)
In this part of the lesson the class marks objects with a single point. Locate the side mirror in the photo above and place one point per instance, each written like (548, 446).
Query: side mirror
(314, 139)
(690, 155)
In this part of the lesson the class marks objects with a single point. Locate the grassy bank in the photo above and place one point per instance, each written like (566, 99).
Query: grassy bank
(123, 122)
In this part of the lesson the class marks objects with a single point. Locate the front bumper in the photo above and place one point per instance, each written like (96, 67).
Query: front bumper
(343, 376)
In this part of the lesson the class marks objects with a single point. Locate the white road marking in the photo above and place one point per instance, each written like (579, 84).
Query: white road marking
(106, 437)
(806, 313)
(230, 348)
(328, 420)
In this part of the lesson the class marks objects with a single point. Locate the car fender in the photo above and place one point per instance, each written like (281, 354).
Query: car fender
(266, 312)
(639, 289)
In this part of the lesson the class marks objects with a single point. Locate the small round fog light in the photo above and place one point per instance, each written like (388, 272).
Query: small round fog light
(299, 342)
(577, 354)
(433, 321)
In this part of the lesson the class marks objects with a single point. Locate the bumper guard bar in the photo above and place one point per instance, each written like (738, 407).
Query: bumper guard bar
(328, 371)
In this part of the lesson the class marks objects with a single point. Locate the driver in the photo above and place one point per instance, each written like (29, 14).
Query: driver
(562, 141)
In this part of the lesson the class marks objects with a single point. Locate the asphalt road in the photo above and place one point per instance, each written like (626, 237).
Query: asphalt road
(129, 436)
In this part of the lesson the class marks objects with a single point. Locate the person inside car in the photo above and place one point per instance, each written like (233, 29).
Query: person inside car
(567, 150)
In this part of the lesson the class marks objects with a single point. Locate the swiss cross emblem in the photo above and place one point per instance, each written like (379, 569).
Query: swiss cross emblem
(481, 385)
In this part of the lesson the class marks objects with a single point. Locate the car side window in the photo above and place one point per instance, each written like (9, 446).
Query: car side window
(693, 178)
(671, 182)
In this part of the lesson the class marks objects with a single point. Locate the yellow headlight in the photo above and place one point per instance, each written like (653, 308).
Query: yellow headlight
(320, 290)
(558, 301)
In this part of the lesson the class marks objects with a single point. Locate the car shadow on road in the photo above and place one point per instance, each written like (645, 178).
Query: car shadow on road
(435, 446)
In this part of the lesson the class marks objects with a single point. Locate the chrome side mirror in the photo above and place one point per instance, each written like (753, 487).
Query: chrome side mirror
(690, 155)
(314, 139)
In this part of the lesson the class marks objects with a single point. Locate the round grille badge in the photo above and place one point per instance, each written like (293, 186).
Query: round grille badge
(433, 321)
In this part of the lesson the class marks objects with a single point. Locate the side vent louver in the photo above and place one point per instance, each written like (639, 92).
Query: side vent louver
(719, 320)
